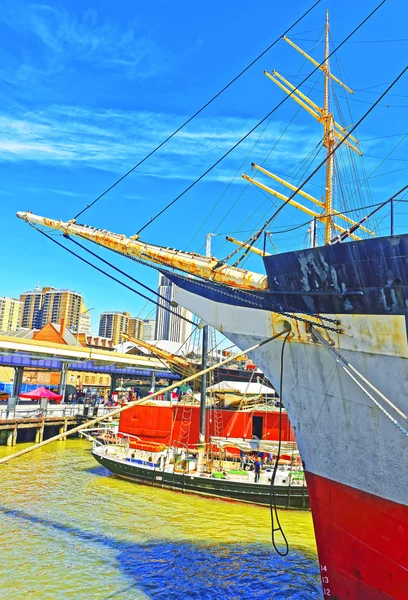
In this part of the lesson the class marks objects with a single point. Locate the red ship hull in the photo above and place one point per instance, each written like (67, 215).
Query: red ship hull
(168, 424)
(356, 528)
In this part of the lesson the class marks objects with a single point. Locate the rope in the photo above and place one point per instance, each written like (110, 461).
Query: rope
(112, 266)
(272, 498)
(185, 425)
(342, 236)
(197, 112)
(346, 366)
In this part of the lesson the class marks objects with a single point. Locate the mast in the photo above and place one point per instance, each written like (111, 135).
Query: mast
(332, 133)
(203, 397)
(204, 352)
(328, 124)
(176, 362)
(312, 233)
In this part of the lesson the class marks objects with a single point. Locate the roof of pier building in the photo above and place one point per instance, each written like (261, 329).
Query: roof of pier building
(57, 334)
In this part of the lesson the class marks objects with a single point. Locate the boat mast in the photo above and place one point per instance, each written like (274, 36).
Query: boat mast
(204, 354)
(203, 397)
(329, 142)
(203, 394)
(332, 131)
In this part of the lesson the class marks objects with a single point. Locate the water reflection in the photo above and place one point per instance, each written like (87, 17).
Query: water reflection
(78, 532)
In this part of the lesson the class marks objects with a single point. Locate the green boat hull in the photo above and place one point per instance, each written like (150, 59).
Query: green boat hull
(286, 496)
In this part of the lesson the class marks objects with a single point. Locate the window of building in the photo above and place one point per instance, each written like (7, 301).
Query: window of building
(86, 379)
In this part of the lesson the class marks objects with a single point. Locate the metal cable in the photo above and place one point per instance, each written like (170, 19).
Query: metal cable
(196, 113)
(255, 237)
(111, 276)
(165, 208)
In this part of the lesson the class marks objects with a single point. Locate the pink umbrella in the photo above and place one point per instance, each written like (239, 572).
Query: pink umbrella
(41, 392)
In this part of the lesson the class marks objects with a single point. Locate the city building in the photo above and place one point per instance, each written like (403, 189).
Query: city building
(84, 324)
(94, 341)
(136, 328)
(149, 326)
(10, 313)
(51, 305)
(32, 309)
(168, 325)
(112, 324)
(98, 383)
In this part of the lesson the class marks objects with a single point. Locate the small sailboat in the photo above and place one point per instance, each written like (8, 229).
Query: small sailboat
(178, 468)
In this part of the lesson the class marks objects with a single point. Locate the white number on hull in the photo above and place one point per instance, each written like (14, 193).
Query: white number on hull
(325, 581)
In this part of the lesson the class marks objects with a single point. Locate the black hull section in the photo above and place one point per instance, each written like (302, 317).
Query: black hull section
(366, 277)
(294, 497)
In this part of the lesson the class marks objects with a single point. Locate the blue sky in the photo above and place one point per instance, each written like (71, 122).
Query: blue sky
(88, 88)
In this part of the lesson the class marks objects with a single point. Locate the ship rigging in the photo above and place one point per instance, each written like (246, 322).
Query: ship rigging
(356, 294)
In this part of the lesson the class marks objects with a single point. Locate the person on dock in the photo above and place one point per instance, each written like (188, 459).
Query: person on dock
(242, 456)
(257, 469)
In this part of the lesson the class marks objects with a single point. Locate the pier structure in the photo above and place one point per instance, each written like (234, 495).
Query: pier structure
(20, 354)
(33, 425)
(9, 428)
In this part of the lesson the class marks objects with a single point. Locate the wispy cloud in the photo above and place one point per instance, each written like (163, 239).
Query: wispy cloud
(42, 190)
(62, 41)
(112, 140)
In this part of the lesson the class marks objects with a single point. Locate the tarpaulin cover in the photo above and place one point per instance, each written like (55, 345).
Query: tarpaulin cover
(41, 392)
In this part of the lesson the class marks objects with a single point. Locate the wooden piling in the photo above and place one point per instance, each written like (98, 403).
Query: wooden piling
(41, 432)
(14, 436)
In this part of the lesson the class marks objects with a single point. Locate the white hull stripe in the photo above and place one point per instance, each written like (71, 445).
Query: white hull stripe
(341, 434)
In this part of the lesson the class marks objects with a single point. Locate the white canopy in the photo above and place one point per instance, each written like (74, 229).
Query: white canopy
(241, 387)
(254, 445)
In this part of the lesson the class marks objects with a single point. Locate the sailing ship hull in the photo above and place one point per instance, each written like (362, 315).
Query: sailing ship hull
(286, 496)
(181, 423)
(353, 455)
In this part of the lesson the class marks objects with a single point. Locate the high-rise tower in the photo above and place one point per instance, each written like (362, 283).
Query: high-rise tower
(51, 305)
(168, 325)
(112, 324)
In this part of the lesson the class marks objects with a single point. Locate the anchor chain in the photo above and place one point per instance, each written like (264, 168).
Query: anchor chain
(281, 312)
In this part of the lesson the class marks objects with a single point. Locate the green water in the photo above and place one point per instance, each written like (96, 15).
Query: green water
(69, 529)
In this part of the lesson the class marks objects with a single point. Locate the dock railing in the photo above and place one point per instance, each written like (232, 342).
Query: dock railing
(22, 411)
